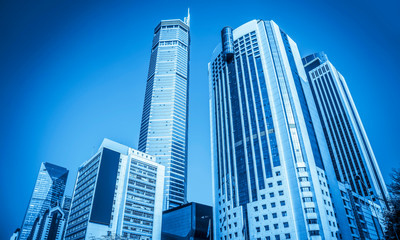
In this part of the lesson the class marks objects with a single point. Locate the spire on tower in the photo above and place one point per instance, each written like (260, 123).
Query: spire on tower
(187, 19)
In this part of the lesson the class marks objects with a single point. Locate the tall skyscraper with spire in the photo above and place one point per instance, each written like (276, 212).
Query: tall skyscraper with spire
(48, 191)
(163, 132)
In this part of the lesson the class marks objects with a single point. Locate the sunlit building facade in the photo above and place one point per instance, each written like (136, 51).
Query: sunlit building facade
(48, 192)
(362, 188)
(118, 194)
(163, 132)
(269, 178)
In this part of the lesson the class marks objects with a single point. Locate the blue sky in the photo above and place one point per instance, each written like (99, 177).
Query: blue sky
(74, 72)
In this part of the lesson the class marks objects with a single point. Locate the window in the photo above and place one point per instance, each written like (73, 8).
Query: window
(301, 169)
(263, 196)
(285, 224)
(274, 215)
(273, 204)
(280, 193)
(278, 173)
(257, 219)
(276, 226)
(307, 199)
(271, 194)
(264, 206)
(303, 179)
(256, 208)
(258, 229)
(284, 214)
(283, 203)
(277, 237)
(266, 227)
(310, 210)
(305, 189)
(287, 235)
(265, 217)
(312, 221)
(314, 232)
(279, 183)
(270, 185)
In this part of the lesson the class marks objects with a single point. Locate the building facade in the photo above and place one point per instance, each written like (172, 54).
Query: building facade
(163, 131)
(191, 221)
(269, 178)
(361, 184)
(50, 225)
(49, 190)
(118, 193)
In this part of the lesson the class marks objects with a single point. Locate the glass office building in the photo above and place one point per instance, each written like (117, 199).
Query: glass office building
(48, 191)
(118, 194)
(191, 221)
(50, 225)
(163, 132)
(269, 177)
(360, 180)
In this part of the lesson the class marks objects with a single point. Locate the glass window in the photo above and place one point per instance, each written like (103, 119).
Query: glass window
(286, 224)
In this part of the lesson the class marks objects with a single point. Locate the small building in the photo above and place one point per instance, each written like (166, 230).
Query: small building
(189, 221)
(118, 193)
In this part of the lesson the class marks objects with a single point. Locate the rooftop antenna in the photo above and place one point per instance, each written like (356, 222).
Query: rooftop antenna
(187, 19)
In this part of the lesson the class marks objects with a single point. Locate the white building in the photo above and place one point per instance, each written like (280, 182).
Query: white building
(118, 192)
(269, 178)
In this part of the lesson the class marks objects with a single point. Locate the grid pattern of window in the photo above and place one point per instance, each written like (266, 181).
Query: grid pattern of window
(82, 200)
(163, 132)
(343, 145)
(139, 203)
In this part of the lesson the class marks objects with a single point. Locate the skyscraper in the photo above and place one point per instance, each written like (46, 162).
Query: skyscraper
(48, 191)
(269, 178)
(163, 131)
(118, 193)
(360, 180)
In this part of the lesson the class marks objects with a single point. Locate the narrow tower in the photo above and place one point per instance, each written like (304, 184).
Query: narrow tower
(163, 131)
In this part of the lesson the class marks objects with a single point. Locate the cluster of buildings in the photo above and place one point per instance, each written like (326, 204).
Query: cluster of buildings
(290, 156)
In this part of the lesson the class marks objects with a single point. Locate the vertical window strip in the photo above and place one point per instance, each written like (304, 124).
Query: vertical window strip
(353, 145)
(238, 134)
(338, 134)
(225, 132)
(228, 75)
(248, 138)
(303, 103)
(220, 135)
(254, 130)
(323, 119)
(297, 146)
(270, 125)
(364, 141)
(261, 126)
